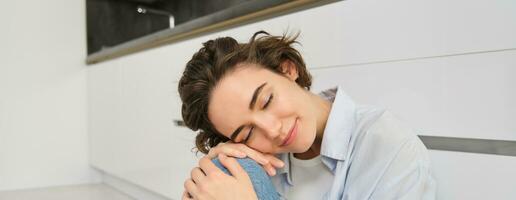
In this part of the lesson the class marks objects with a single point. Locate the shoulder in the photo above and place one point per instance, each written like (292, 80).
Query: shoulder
(387, 136)
(388, 130)
(388, 150)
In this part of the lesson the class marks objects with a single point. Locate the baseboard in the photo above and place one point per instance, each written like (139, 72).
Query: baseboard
(129, 188)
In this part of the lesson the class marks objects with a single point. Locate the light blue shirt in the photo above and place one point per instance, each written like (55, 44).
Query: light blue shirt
(371, 154)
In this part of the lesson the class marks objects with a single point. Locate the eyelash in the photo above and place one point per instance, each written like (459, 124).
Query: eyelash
(248, 135)
(268, 101)
(264, 107)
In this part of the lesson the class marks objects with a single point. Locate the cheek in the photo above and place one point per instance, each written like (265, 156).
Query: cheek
(262, 144)
(287, 106)
(307, 128)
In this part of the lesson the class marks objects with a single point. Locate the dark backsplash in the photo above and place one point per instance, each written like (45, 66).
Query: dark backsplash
(112, 22)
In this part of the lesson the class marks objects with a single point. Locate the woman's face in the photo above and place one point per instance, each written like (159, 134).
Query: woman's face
(264, 110)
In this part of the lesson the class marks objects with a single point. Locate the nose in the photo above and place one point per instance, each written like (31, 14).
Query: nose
(269, 124)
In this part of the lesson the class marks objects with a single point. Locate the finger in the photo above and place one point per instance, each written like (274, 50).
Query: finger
(270, 169)
(253, 154)
(229, 150)
(275, 161)
(191, 188)
(208, 167)
(197, 175)
(233, 166)
(186, 196)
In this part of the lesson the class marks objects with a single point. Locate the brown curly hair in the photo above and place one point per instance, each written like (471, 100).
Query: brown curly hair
(218, 57)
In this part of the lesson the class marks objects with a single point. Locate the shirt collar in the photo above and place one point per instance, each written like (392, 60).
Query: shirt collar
(285, 170)
(339, 127)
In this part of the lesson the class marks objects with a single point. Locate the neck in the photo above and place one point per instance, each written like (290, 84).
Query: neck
(322, 111)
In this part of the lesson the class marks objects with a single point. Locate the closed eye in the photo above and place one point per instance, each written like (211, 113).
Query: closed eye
(252, 128)
(248, 135)
(268, 101)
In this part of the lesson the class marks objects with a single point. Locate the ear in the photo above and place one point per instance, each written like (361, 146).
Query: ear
(289, 69)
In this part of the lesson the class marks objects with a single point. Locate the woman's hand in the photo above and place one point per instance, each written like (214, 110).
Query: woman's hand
(268, 161)
(210, 183)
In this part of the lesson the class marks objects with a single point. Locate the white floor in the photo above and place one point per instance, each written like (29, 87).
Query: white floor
(76, 192)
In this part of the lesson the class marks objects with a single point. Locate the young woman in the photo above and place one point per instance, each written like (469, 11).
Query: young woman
(253, 100)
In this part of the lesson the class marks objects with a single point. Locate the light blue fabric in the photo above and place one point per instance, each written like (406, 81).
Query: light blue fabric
(261, 181)
(371, 154)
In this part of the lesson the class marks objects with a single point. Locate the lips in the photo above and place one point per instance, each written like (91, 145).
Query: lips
(291, 134)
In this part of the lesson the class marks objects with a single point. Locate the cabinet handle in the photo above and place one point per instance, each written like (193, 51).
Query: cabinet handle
(180, 123)
(471, 145)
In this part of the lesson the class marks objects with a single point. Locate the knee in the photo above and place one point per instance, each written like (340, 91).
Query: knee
(249, 165)
(262, 184)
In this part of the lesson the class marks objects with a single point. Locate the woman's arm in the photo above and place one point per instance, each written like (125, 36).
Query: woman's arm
(408, 176)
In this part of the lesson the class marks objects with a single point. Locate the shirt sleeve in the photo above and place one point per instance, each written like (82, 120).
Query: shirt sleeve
(408, 176)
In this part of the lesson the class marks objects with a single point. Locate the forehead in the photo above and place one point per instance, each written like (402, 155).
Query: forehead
(229, 102)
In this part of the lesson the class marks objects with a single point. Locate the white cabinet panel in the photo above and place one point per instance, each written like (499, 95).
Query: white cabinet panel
(166, 180)
(132, 134)
(473, 176)
(364, 31)
(459, 96)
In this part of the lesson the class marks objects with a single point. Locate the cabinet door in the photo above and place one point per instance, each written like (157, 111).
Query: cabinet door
(132, 131)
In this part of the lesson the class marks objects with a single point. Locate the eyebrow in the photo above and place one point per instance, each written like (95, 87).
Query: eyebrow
(251, 105)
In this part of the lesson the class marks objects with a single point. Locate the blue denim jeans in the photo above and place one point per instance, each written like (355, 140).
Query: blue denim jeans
(261, 181)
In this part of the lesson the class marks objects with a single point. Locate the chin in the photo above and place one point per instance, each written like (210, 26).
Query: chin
(309, 141)
(298, 148)
(304, 146)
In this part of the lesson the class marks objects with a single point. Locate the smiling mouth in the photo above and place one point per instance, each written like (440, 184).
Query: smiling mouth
(291, 135)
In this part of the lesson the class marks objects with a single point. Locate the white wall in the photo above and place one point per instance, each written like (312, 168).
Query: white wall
(445, 67)
(43, 116)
